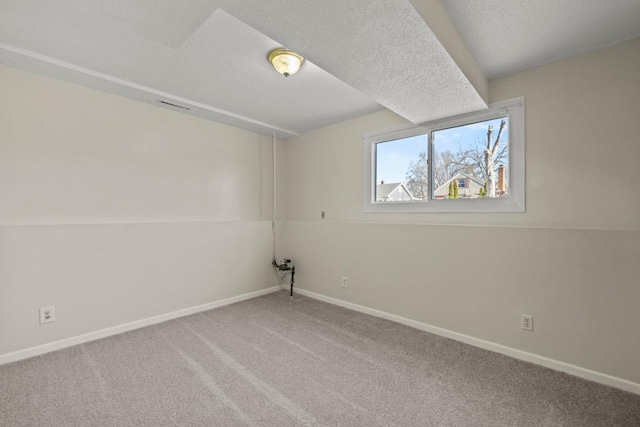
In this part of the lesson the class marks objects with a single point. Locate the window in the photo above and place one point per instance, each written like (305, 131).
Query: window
(469, 163)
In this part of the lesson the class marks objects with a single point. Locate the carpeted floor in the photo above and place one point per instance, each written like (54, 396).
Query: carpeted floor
(271, 361)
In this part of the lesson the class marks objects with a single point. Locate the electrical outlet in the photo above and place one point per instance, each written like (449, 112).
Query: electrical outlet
(47, 314)
(526, 322)
(345, 282)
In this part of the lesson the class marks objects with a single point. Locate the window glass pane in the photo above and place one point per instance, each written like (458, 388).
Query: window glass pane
(472, 161)
(401, 170)
(448, 160)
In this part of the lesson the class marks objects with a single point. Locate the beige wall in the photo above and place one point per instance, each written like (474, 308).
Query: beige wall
(570, 260)
(114, 210)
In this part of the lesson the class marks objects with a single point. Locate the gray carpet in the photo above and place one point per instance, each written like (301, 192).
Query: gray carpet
(275, 362)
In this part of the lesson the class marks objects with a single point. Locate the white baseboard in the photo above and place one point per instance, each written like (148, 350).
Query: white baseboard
(556, 365)
(103, 333)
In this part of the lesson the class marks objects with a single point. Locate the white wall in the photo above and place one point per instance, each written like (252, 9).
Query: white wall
(571, 260)
(114, 210)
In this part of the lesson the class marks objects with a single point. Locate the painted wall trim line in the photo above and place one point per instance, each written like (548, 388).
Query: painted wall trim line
(556, 365)
(130, 222)
(103, 333)
(447, 224)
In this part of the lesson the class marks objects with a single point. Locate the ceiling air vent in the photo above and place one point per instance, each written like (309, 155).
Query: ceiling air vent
(182, 107)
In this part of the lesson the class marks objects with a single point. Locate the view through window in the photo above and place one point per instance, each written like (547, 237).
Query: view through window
(469, 162)
(394, 161)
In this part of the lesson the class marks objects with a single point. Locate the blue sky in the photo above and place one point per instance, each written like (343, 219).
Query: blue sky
(394, 157)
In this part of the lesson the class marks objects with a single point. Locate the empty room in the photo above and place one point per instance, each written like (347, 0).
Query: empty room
(320, 213)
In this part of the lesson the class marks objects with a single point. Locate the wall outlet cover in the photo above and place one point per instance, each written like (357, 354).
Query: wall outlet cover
(344, 282)
(47, 314)
(526, 322)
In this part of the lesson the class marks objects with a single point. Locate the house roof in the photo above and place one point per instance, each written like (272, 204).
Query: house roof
(458, 176)
(383, 190)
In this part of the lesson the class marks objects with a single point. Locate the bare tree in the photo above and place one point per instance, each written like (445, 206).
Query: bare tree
(445, 166)
(472, 160)
(489, 158)
(479, 161)
(418, 177)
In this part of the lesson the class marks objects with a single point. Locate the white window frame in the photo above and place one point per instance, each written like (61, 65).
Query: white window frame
(515, 202)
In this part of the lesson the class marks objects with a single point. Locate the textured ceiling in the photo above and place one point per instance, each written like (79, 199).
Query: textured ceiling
(362, 55)
(510, 36)
(382, 48)
(167, 22)
(210, 55)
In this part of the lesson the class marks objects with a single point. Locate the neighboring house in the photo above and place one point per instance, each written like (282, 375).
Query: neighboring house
(468, 186)
(393, 192)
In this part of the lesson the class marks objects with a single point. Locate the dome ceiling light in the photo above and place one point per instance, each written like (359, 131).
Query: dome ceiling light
(286, 62)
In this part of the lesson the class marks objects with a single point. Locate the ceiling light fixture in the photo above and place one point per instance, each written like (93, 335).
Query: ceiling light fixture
(286, 62)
